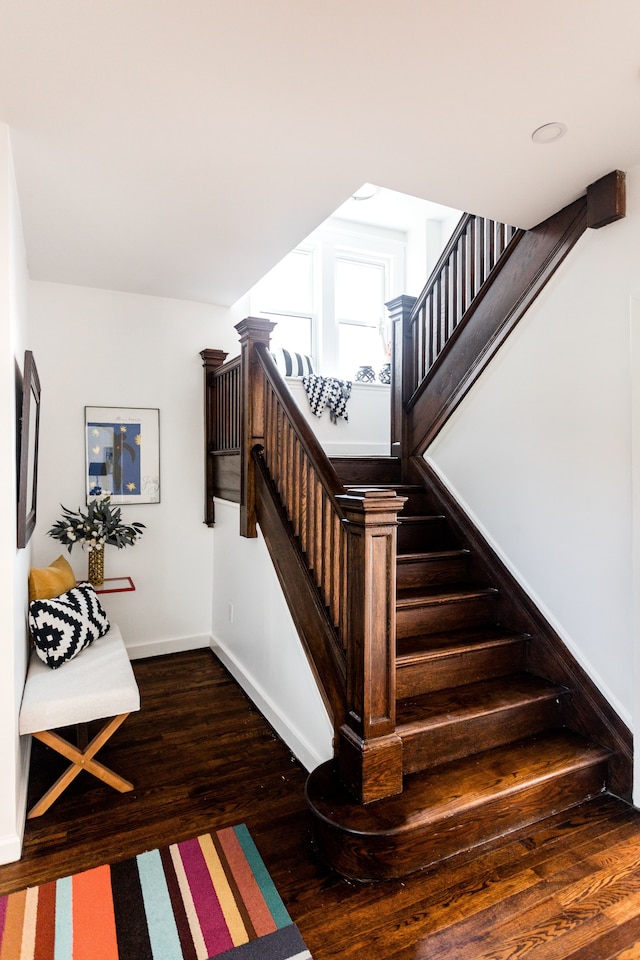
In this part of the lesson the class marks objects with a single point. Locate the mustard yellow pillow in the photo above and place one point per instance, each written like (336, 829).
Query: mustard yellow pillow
(48, 582)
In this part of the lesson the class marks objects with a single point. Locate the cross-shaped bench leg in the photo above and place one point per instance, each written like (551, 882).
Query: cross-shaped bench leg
(81, 759)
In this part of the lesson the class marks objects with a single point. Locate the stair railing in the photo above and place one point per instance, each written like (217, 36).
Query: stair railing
(348, 544)
(222, 427)
(473, 251)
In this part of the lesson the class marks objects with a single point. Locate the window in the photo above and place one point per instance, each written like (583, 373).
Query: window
(328, 297)
(360, 295)
(286, 297)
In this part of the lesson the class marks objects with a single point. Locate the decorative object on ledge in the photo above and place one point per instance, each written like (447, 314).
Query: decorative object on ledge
(365, 374)
(327, 392)
(28, 427)
(123, 454)
(385, 374)
(100, 523)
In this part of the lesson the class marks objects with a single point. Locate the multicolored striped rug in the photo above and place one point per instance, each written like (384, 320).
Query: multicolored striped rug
(207, 897)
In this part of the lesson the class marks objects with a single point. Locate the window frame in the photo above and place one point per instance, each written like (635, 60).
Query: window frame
(333, 240)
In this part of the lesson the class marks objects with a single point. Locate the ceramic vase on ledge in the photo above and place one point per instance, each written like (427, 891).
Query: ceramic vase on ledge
(96, 567)
(365, 374)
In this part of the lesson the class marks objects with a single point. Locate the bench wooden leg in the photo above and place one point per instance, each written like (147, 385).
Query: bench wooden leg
(81, 759)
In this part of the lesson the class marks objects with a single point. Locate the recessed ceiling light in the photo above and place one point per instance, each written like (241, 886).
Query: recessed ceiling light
(549, 132)
(366, 191)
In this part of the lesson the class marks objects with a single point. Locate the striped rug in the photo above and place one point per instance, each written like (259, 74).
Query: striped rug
(207, 897)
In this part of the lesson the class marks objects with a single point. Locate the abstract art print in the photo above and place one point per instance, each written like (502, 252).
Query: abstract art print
(123, 454)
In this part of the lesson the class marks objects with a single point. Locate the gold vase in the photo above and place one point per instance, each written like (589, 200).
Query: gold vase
(96, 567)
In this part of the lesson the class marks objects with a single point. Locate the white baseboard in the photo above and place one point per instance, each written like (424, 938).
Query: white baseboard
(158, 648)
(301, 749)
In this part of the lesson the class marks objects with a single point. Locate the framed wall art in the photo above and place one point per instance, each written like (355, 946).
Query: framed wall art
(122, 454)
(27, 435)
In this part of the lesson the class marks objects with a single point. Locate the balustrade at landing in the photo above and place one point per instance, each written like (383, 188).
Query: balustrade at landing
(473, 252)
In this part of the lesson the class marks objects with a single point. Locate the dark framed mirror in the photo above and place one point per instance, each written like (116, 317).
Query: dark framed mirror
(28, 428)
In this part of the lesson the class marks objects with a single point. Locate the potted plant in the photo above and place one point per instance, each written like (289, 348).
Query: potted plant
(100, 523)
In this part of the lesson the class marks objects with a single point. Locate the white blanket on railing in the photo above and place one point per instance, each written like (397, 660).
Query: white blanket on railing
(327, 392)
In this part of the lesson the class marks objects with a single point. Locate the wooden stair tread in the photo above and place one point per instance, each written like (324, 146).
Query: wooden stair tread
(432, 596)
(430, 710)
(456, 788)
(418, 518)
(420, 557)
(458, 641)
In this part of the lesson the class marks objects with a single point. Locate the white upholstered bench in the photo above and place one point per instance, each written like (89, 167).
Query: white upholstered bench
(99, 683)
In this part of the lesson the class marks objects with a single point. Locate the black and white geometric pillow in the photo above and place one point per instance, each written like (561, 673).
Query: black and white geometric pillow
(64, 626)
(293, 364)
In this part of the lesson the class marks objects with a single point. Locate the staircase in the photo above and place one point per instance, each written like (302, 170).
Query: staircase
(459, 714)
(485, 749)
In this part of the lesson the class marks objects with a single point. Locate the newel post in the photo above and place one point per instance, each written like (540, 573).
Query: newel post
(402, 366)
(211, 360)
(369, 751)
(252, 330)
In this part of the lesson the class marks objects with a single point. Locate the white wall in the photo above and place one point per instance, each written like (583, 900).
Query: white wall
(366, 433)
(14, 564)
(100, 348)
(254, 636)
(541, 450)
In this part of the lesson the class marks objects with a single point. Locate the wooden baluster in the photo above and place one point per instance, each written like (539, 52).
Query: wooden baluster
(491, 246)
(444, 306)
(437, 295)
(311, 516)
(234, 437)
(304, 502)
(336, 570)
(344, 593)
(278, 459)
(295, 487)
(420, 350)
(369, 751)
(454, 299)
(326, 549)
(501, 239)
(317, 524)
(252, 330)
(287, 468)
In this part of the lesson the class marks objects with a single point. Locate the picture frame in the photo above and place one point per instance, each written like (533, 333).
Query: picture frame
(122, 454)
(27, 436)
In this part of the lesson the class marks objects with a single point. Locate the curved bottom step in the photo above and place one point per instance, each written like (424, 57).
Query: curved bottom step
(453, 807)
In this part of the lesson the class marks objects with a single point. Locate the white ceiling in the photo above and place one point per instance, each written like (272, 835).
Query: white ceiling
(182, 147)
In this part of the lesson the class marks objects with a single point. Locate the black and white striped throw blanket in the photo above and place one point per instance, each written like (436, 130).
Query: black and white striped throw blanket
(327, 392)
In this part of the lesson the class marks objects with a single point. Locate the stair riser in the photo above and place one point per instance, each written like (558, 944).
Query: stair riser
(461, 738)
(428, 534)
(458, 614)
(454, 670)
(398, 853)
(437, 571)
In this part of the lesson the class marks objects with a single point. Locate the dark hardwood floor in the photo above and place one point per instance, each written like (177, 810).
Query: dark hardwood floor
(202, 758)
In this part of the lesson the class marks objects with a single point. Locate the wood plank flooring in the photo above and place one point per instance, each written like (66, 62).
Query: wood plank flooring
(202, 757)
